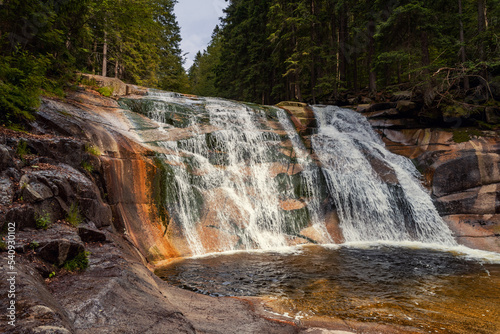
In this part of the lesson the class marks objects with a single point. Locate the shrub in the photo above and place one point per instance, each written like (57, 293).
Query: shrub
(22, 149)
(21, 78)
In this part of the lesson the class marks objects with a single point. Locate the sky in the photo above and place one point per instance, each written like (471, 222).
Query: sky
(197, 19)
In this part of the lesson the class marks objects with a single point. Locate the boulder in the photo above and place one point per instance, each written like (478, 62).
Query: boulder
(389, 113)
(401, 95)
(404, 106)
(492, 115)
(88, 234)
(5, 158)
(22, 215)
(6, 191)
(35, 191)
(59, 251)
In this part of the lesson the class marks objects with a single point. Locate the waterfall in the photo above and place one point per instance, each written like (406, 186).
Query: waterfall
(377, 193)
(238, 176)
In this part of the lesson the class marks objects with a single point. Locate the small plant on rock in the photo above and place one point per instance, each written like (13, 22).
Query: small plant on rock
(43, 220)
(74, 217)
(22, 149)
(80, 262)
(94, 150)
(87, 166)
(34, 245)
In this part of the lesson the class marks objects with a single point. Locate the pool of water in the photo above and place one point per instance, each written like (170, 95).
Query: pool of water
(423, 288)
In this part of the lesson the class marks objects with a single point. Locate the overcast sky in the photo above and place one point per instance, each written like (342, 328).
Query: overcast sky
(197, 19)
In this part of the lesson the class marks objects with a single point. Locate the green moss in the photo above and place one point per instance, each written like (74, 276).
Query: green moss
(464, 135)
(94, 150)
(105, 91)
(3, 245)
(166, 194)
(161, 180)
(78, 263)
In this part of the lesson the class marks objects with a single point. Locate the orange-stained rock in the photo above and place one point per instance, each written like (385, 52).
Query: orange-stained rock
(292, 204)
(476, 231)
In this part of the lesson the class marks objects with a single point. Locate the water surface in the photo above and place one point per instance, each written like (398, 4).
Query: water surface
(426, 289)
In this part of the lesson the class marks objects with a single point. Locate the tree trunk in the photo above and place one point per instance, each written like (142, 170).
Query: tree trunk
(343, 35)
(105, 56)
(94, 56)
(424, 42)
(481, 26)
(371, 52)
(462, 44)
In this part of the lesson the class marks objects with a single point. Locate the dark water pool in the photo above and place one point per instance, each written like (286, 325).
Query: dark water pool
(429, 290)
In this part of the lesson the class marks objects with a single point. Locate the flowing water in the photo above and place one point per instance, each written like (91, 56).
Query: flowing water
(240, 184)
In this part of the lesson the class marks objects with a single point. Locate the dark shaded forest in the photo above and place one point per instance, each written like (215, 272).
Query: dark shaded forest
(322, 51)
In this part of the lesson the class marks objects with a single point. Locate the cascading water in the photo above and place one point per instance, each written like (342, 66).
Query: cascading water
(239, 177)
(221, 177)
(377, 193)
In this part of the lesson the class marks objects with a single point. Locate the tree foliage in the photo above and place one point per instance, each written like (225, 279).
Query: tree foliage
(316, 50)
(43, 43)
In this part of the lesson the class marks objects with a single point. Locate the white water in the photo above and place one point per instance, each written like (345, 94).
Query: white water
(222, 183)
(369, 208)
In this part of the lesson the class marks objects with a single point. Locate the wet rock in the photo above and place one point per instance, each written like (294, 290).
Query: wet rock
(5, 158)
(476, 231)
(480, 200)
(88, 234)
(464, 170)
(6, 191)
(35, 191)
(59, 251)
(22, 215)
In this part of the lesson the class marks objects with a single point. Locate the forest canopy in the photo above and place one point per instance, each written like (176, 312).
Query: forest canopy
(266, 51)
(43, 44)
